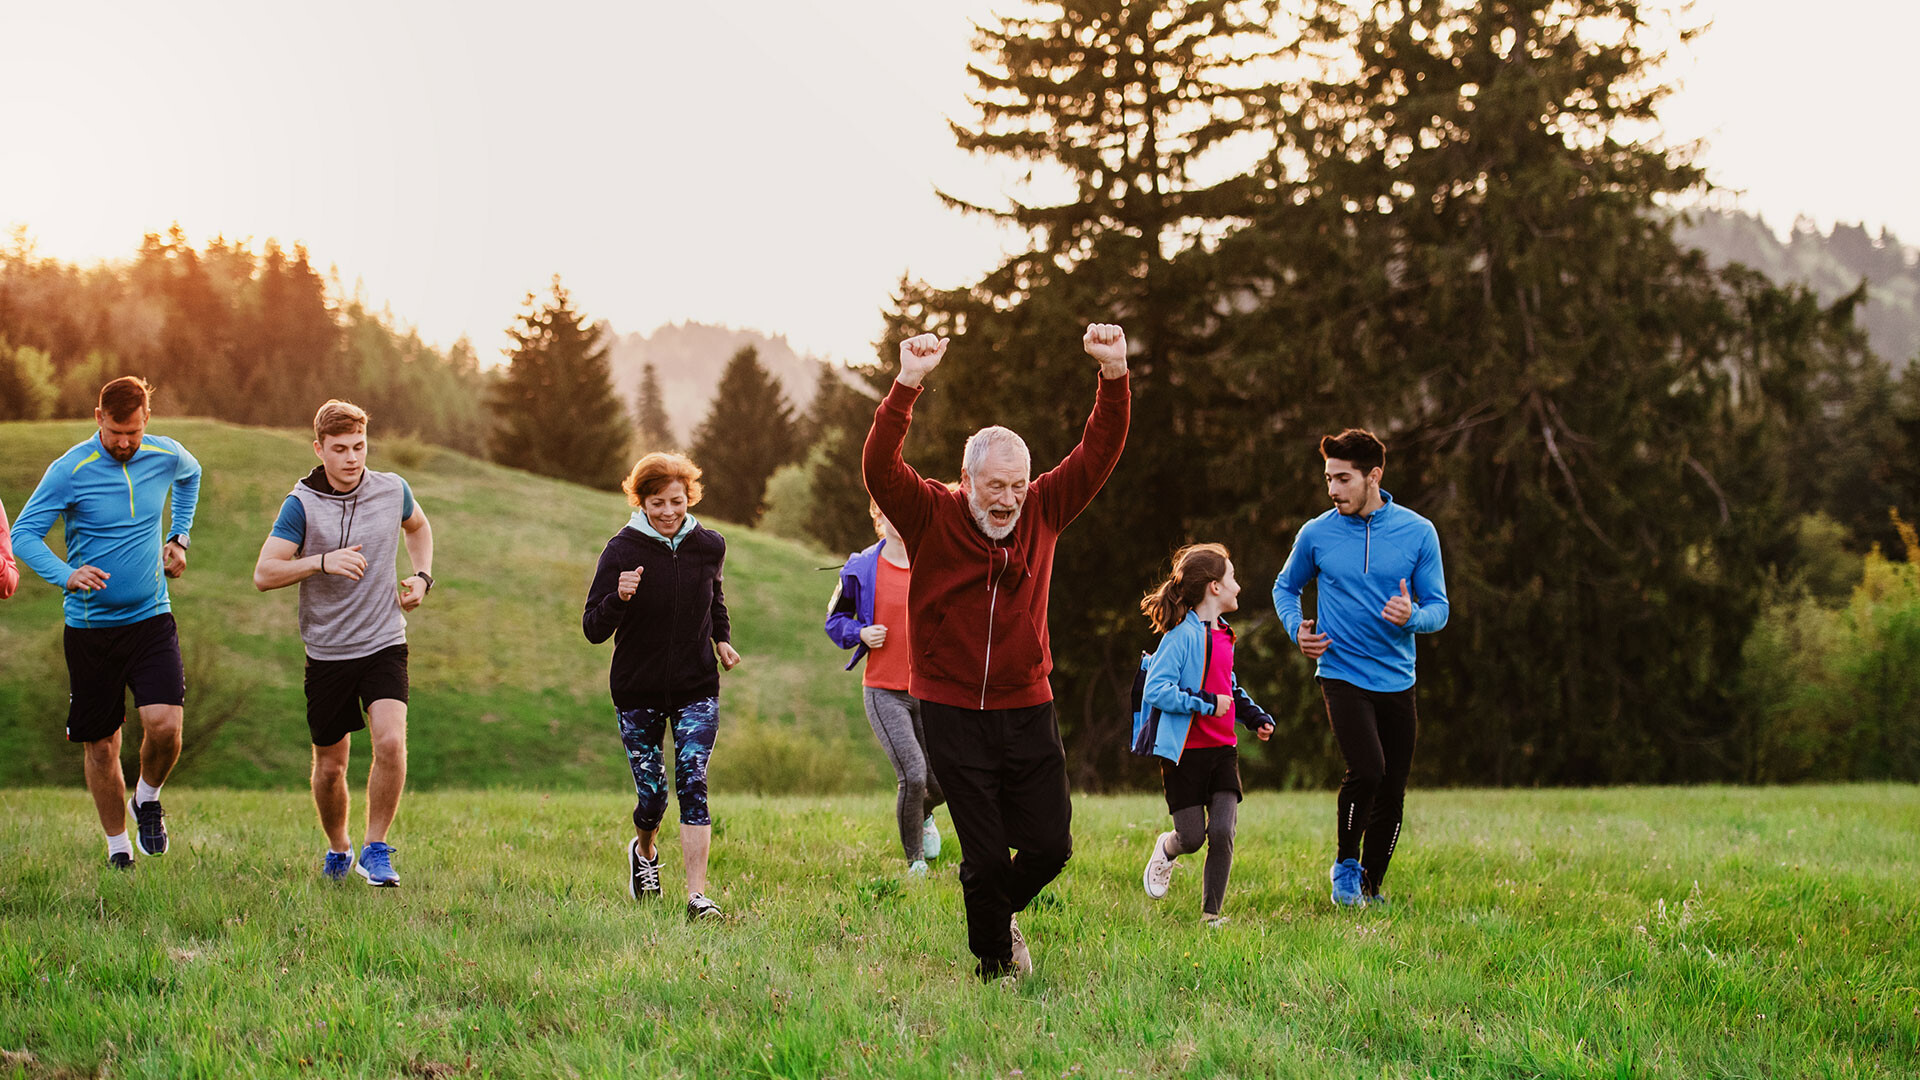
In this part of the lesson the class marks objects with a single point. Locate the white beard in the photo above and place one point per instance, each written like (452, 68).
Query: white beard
(985, 521)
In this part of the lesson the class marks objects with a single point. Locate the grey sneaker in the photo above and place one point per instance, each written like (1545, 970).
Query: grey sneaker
(700, 908)
(1159, 873)
(1022, 958)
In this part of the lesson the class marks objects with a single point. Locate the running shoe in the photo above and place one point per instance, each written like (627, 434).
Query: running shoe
(337, 865)
(917, 868)
(1022, 958)
(1346, 878)
(643, 874)
(152, 832)
(1215, 922)
(699, 908)
(930, 838)
(120, 860)
(376, 865)
(1377, 900)
(1159, 872)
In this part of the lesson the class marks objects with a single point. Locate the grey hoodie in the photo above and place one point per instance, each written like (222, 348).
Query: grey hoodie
(340, 618)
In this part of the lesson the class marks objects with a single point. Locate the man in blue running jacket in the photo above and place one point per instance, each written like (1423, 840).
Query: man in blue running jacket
(1365, 552)
(108, 494)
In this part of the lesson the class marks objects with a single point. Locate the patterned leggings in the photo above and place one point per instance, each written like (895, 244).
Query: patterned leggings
(694, 726)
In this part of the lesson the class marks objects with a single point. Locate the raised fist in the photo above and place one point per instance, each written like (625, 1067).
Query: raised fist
(1107, 343)
(919, 355)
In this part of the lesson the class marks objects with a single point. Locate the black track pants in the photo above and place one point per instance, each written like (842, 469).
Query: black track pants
(1376, 732)
(1004, 773)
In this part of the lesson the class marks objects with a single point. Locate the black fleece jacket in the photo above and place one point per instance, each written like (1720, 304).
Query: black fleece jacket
(662, 638)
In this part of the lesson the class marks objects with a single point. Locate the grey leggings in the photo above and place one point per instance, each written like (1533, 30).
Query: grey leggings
(1195, 825)
(895, 716)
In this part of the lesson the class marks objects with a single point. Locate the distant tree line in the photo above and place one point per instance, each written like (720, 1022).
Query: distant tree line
(225, 331)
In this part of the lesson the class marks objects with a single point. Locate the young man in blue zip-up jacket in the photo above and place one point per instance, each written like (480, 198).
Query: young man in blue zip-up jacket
(107, 493)
(1365, 553)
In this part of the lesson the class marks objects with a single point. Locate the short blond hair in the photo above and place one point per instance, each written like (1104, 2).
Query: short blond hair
(655, 471)
(338, 417)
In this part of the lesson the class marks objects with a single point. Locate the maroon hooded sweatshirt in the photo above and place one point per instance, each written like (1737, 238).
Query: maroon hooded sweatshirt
(978, 607)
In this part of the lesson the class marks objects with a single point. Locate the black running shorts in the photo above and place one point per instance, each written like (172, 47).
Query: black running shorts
(339, 692)
(1202, 771)
(105, 662)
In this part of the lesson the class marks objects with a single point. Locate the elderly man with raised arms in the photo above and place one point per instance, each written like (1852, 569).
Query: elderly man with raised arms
(983, 564)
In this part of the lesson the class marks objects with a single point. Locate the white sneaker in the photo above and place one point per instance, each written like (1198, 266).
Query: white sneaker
(1022, 958)
(1159, 872)
(917, 868)
(929, 838)
(1215, 922)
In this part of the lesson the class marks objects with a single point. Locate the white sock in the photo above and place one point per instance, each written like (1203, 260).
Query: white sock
(119, 845)
(144, 793)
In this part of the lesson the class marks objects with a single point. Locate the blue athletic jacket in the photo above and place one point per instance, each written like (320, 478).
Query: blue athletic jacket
(111, 513)
(1360, 562)
(853, 612)
(1160, 729)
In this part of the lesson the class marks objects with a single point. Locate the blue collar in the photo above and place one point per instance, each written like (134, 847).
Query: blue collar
(639, 523)
(1386, 506)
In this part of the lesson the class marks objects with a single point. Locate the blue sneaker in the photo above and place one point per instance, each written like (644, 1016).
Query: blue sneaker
(1346, 883)
(930, 838)
(1377, 900)
(337, 865)
(376, 865)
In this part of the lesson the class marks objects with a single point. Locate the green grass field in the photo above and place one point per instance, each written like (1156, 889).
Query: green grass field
(505, 689)
(1622, 933)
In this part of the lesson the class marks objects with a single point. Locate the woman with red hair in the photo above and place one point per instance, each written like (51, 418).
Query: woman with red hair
(657, 593)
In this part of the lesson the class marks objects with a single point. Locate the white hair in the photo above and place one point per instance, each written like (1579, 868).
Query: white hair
(981, 444)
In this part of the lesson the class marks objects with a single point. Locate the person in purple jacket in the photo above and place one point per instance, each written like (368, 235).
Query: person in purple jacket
(868, 614)
(657, 593)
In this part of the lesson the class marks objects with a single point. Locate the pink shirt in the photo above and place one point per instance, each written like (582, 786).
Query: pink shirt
(9, 569)
(1215, 730)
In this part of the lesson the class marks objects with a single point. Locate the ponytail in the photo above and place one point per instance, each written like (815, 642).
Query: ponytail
(1195, 567)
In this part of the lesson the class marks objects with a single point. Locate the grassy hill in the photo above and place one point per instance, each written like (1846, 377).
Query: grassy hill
(505, 689)
(1601, 935)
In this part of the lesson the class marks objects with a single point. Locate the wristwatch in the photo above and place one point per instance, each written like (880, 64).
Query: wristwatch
(181, 539)
(426, 577)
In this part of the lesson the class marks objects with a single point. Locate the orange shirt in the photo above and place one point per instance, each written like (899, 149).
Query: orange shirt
(889, 666)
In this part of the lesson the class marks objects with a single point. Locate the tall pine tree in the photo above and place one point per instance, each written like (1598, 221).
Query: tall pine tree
(748, 433)
(655, 429)
(1468, 253)
(555, 412)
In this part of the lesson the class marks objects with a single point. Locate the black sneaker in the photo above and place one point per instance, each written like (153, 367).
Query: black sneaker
(699, 907)
(152, 832)
(120, 860)
(643, 874)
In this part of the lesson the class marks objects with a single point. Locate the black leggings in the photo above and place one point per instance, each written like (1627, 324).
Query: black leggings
(1376, 733)
(1212, 826)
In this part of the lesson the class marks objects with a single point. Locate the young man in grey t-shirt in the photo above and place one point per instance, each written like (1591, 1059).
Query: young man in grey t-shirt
(338, 537)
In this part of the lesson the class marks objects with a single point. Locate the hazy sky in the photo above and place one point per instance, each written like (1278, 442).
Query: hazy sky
(758, 162)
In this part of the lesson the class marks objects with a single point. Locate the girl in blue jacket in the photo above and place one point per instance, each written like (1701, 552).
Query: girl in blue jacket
(1189, 702)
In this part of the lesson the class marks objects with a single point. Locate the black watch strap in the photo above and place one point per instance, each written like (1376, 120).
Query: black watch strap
(426, 577)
